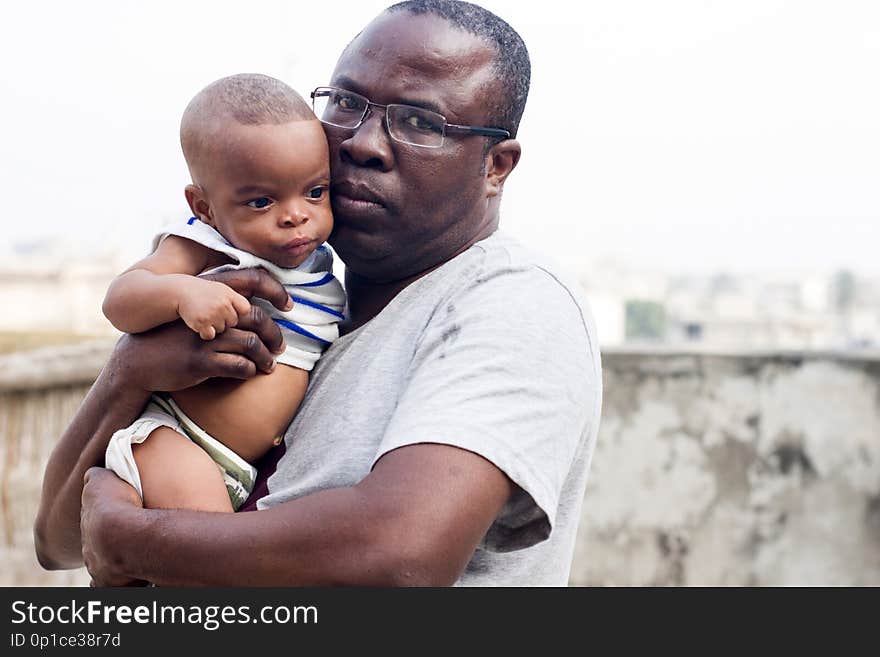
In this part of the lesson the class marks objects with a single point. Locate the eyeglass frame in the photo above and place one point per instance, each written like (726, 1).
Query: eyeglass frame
(466, 129)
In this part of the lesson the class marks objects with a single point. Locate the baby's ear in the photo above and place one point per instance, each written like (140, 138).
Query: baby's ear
(198, 204)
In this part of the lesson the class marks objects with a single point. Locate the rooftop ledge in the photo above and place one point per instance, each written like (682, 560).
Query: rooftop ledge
(712, 467)
(80, 363)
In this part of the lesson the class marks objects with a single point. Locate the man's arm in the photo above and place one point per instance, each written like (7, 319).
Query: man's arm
(169, 358)
(416, 519)
(106, 408)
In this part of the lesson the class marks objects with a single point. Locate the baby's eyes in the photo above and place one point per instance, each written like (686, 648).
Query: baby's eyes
(263, 202)
(259, 203)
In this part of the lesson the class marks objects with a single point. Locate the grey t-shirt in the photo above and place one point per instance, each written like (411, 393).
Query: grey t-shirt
(491, 352)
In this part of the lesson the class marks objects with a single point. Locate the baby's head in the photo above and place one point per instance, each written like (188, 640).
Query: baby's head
(259, 165)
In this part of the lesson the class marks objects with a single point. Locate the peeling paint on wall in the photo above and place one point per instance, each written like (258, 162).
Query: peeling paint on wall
(734, 470)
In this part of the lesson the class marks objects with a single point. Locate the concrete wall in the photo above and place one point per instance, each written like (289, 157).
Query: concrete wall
(39, 394)
(758, 469)
(734, 470)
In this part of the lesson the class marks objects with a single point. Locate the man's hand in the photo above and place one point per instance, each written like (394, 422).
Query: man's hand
(167, 358)
(105, 501)
(210, 307)
(254, 282)
(172, 357)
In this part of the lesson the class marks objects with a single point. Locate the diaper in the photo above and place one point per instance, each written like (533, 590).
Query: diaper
(238, 475)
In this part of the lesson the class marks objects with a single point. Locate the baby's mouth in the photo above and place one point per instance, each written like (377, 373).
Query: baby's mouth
(297, 243)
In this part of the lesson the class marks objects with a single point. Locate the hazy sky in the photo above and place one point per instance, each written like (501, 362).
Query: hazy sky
(682, 135)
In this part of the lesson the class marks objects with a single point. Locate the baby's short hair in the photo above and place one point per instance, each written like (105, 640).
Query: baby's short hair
(246, 98)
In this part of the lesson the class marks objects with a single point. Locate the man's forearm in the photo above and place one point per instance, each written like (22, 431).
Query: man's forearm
(329, 538)
(109, 406)
(416, 519)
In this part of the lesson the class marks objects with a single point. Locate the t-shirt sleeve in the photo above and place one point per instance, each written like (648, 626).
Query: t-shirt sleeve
(506, 369)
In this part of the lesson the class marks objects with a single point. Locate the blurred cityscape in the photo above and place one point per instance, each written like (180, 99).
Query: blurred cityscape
(51, 295)
(837, 310)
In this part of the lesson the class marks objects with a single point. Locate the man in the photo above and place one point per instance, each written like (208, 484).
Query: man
(446, 436)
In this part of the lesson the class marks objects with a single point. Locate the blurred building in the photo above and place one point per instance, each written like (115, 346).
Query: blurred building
(48, 290)
(759, 311)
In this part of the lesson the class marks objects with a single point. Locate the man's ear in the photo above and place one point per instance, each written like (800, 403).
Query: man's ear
(500, 161)
(198, 204)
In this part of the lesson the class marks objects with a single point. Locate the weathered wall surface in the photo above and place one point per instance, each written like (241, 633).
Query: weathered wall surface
(740, 470)
(29, 423)
(39, 394)
(709, 470)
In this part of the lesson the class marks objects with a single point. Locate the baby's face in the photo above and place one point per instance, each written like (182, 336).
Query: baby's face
(268, 190)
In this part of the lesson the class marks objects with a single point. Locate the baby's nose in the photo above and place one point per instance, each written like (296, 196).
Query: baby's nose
(293, 216)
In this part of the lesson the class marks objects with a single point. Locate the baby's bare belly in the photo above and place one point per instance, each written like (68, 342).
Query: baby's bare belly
(246, 416)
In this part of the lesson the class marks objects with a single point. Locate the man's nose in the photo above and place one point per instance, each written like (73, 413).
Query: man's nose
(369, 145)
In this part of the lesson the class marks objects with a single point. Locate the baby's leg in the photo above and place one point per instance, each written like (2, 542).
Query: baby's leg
(178, 474)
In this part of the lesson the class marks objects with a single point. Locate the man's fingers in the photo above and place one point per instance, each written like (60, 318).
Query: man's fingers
(92, 473)
(232, 366)
(128, 582)
(96, 473)
(266, 287)
(239, 343)
(104, 481)
(254, 282)
(258, 321)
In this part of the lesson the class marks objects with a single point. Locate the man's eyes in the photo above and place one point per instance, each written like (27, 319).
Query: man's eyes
(259, 203)
(350, 103)
(421, 122)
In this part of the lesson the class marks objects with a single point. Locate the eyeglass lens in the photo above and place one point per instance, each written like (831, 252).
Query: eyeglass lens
(411, 125)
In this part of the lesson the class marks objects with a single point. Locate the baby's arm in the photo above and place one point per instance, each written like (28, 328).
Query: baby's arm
(164, 286)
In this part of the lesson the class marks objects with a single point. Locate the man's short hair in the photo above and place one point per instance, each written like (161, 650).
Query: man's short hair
(246, 98)
(511, 59)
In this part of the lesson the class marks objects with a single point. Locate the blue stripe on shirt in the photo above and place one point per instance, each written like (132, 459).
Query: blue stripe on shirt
(296, 328)
(327, 278)
(317, 306)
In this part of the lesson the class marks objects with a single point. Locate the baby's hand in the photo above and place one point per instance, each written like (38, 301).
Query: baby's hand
(209, 308)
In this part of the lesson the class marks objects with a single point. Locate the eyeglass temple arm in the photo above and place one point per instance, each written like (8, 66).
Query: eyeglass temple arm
(488, 132)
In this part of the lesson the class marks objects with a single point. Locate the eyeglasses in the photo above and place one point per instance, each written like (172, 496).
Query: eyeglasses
(405, 123)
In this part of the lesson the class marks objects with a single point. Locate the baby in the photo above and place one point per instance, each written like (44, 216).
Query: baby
(260, 173)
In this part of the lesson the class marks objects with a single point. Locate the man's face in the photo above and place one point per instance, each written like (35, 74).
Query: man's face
(400, 209)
